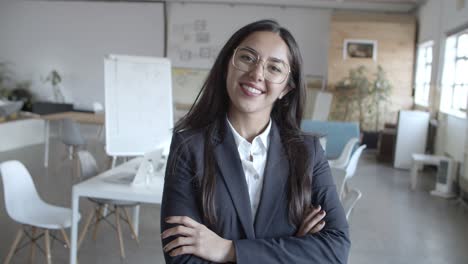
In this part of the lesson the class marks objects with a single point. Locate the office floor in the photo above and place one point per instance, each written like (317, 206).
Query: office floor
(390, 224)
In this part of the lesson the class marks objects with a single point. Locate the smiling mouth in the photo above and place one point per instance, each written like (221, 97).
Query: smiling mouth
(251, 90)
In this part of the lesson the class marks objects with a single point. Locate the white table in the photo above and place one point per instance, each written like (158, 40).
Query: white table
(98, 187)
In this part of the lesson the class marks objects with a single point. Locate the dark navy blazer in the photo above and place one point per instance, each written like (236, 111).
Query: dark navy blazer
(270, 237)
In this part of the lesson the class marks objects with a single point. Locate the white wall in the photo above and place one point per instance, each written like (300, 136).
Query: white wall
(429, 21)
(73, 38)
(310, 27)
(451, 136)
(451, 17)
(436, 18)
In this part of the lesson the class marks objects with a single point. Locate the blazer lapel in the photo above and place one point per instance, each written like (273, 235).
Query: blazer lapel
(230, 165)
(274, 183)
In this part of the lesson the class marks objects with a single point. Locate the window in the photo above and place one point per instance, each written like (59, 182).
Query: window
(454, 93)
(423, 74)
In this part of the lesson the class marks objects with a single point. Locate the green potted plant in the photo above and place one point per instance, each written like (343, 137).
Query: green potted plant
(357, 98)
(380, 94)
(351, 93)
(22, 92)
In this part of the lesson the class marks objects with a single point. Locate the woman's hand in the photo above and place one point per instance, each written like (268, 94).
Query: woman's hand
(312, 222)
(196, 239)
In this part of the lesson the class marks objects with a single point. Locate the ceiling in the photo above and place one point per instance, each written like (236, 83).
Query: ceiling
(404, 6)
(365, 5)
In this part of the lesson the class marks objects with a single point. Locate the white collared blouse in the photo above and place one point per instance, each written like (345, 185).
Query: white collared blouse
(253, 157)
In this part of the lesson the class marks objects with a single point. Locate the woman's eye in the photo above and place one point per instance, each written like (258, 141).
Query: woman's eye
(247, 58)
(275, 69)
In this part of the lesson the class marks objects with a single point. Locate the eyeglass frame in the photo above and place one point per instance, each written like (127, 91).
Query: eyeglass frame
(259, 59)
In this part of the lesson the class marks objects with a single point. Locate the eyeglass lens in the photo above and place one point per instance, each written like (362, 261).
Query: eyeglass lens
(273, 70)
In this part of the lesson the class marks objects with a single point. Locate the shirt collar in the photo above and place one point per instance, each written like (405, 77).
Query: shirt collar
(261, 140)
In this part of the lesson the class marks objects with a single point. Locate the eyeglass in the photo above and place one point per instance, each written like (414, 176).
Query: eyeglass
(274, 70)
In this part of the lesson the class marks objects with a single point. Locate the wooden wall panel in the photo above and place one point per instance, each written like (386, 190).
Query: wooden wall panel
(395, 36)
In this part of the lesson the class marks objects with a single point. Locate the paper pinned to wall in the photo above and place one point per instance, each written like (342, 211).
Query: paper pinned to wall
(196, 32)
(138, 100)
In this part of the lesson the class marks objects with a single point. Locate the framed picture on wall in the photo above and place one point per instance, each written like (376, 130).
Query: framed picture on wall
(360, 48)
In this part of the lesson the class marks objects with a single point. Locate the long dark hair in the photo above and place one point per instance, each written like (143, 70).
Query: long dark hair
(211, 106)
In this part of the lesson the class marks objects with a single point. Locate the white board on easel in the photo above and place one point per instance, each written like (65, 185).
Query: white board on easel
(138, 103)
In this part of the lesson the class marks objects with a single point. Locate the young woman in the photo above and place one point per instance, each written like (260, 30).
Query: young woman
(243, 183)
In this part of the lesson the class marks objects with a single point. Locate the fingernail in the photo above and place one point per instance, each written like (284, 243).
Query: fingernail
(319, 207)
(322, 212)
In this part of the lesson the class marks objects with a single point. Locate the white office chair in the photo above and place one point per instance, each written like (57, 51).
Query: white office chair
(71, 136)
(89, 168)
(341, 176)
(24, 205)
(345, 155)
(350, 200)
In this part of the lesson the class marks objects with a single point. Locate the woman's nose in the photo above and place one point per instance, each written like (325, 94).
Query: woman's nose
(257, 72)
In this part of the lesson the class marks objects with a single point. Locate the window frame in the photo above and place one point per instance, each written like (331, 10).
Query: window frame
(423, 90)
(449, 76)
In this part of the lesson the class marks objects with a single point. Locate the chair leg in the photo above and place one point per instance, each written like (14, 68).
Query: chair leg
(47, 246)
(130, 224)
(109, 162)
(76, 173)
(33, 245)
(99, 133)
(17, 240)
(70, 152)
(96, 224)
(65, 237)
(119, 231)
(85, 229)
(67, 241)
(346, 189)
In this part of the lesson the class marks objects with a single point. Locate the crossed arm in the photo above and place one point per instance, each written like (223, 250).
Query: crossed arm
(196, 239)
(186, 240)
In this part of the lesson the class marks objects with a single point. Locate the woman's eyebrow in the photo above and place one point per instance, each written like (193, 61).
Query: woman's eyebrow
(256, 52)
(276, 59)
(250, 49)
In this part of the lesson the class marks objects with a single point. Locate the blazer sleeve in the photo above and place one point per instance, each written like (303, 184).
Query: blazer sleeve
(330, 245)
(179, 197)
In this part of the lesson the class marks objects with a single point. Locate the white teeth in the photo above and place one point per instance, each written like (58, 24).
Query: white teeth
(251, 89)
